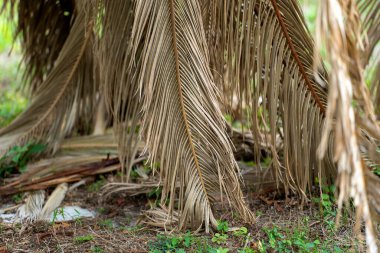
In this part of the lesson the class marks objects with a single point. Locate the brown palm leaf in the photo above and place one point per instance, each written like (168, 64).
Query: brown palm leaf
(120, 86)
(340, 27)
(182, 123)
(68, 93)
(263, 54)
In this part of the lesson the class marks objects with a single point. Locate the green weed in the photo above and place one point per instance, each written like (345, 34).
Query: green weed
(17, 198)
(171, 244)
(222, 226)
(97, 249)
(108, 224)
(242, 232)
(17, 158)
(218, 250)
(246, 250)
(83, 239)
(56, 212)
(95, 187)
(295, 240)
(219, 238)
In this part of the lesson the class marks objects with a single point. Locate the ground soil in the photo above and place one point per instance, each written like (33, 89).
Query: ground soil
(115, 227)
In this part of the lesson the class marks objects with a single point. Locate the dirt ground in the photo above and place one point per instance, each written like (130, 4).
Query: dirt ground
(116, 229)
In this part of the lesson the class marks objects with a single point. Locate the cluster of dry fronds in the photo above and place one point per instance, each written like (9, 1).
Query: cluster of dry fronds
(167, 70)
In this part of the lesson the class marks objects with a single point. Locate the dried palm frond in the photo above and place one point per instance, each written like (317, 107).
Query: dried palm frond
(254, 179)
(66, 98)
(43, 27)
(339, 27)
(262, 53)
(54, 201)
(182, 124)
(158, 217)
(30, 210)
(78, 158)
(120, 86)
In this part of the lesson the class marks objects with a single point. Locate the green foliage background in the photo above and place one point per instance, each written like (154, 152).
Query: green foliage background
(12, 100)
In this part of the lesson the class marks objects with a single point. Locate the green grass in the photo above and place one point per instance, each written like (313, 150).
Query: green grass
(296, 236)
(97, 249)
(108, 224)
(83, 239)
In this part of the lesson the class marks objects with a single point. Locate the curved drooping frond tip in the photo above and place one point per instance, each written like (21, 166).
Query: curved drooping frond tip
(182, 125)
(268, 65)
(67, 93)
(43, 27)
(339, 27)
(120, 86)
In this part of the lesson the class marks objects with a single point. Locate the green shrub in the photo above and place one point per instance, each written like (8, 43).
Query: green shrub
(17, 157)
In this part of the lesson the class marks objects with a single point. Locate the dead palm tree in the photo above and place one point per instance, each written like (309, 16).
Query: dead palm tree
(171, 65)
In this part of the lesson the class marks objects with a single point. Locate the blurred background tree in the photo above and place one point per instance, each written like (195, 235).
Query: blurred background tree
(12, 100)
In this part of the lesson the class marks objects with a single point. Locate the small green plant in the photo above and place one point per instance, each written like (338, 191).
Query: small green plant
(289, 241)
(176, 244)
(108, 224)
(56, 212)
(222, 226)
(155, 194)
(377, 170)
(17, 198)
(242, 232)
(133, 174)
(277, 240)
(218, 250)
(188, 239)
(327, 207)
(220, 238)
(83, 239)
(17, 157)
(266, 161)
(95, 187)
(131, 229)
(246, 250)
(78, 221)
(301, 241)
(97, 249)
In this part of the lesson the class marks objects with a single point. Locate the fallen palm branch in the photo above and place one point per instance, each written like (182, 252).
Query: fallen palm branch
(56, 171)
(78, 158)
(254, 180)
(86, 156)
